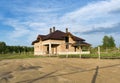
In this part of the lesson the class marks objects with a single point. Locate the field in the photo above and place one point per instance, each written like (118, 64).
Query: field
(59, 70)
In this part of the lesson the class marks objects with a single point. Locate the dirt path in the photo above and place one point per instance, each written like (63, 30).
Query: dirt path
(57, 70)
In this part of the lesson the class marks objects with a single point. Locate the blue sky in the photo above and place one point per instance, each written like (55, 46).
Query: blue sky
(22, 20)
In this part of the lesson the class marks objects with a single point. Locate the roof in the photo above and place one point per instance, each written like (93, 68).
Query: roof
(81, 43)
(56, 35)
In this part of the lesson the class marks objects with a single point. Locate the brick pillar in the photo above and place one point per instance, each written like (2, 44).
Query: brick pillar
(49, 49)
(42, 50)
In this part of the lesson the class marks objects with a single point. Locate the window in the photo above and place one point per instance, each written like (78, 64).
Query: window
(66, 39)
(67, 46)
(75, 48)
(67, 42)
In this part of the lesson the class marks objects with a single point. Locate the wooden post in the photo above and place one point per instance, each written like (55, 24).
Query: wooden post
(99, 52)
(118, 49)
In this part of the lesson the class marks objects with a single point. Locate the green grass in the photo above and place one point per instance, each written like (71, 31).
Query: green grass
(102, 56)
(23, 56)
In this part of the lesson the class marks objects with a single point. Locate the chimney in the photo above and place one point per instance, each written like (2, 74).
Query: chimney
(50, 30)
(53, 29)
(66, 30)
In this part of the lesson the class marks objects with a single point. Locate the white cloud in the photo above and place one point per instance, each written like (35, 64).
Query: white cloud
(19, 30)
(36, 10)
(92, 16)
(94, 10)
(98, 12)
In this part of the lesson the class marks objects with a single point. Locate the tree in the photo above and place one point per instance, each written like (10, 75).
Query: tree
(2, 47)
(112, 42)
(14, 49)
(108, 42)
(105, 42)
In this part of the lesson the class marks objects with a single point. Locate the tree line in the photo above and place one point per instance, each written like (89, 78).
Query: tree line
(108, 42)
(108, 45)
(4, 49)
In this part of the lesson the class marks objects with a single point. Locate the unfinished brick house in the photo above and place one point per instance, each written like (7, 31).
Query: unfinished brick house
(58, 42)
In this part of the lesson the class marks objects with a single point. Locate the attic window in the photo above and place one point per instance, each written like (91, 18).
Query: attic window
(66, 39)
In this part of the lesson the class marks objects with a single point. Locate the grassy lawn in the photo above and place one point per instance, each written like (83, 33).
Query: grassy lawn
(22, 56)
(102, 56)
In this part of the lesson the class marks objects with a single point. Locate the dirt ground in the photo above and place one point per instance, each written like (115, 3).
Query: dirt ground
(58, 70)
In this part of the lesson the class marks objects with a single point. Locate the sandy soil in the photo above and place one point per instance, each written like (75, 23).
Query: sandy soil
(58, 70)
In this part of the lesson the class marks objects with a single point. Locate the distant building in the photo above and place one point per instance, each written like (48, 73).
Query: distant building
(58, 42)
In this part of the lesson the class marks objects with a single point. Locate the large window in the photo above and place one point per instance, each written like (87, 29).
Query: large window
(66, 39)
(67, 42)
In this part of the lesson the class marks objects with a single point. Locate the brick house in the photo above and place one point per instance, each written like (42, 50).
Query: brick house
(58, 42)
